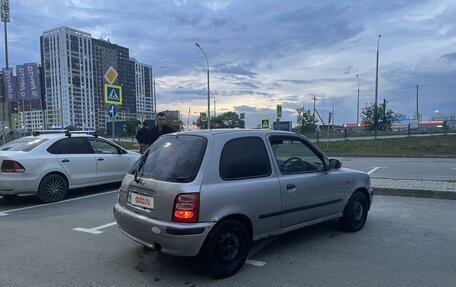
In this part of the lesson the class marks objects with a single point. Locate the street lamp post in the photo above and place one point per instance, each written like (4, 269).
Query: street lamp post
(154, 93)
(208, 93)
(357, 109)
(5, 17)
(376, 92)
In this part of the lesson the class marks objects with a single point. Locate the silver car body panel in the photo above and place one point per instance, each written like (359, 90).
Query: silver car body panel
(265, 202)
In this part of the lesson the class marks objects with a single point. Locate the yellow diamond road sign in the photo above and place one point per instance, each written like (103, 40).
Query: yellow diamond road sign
(111, 75)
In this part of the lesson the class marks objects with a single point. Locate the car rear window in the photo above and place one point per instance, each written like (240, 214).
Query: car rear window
(23, 144)
(174, 158)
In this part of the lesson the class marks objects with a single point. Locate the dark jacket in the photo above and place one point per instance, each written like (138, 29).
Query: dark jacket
(143, 135)
(154, 133)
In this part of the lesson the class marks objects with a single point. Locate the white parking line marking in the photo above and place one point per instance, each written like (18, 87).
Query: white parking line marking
(374, 169)
(95, 230)
(255, 263)
(6, 212)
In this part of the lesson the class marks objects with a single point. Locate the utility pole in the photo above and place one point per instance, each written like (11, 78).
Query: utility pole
(376, 91)
(5, 16)
(417, 111)
(384, 112)
(357, 109)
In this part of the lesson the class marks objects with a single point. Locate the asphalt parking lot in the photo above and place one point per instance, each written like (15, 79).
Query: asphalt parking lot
(406, 242)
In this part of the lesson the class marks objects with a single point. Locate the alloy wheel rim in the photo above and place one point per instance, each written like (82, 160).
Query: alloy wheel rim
(54, 188)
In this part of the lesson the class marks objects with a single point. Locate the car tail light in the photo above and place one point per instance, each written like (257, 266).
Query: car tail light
(12, 166)
(186, 208)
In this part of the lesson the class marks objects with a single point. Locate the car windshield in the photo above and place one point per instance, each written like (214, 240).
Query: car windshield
(174, 158)
(22, 144)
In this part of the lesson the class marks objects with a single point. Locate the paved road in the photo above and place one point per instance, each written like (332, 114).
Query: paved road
(406, 242)
(406, 168)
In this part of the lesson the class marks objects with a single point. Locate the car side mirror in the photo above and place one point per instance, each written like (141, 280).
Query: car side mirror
(335, 163)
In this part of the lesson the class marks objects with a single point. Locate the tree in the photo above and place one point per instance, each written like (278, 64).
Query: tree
(176, 124)
(130, 128)
(385, 119)
(223, 121)
(308, 123)
(228, 120)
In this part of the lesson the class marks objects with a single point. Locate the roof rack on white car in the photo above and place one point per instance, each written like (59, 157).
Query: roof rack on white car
(67, 132)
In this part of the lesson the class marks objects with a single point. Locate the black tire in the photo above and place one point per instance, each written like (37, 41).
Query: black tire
(52, 188)
(355, 212)
(226, 248)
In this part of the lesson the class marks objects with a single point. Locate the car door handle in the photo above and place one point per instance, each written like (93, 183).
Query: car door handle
(291, 188)
(100, 159)
(66, 160)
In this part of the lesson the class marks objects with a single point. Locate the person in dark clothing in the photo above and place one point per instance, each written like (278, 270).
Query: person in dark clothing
(160, 129)
(143, 136)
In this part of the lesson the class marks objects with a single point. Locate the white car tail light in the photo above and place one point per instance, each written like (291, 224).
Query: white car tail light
(186, 208)
(11, 166)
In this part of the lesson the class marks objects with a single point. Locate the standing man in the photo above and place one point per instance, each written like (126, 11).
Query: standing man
(160, 129)
(142, 136)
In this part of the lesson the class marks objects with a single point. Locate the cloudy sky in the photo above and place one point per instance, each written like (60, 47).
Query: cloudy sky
(264, 53)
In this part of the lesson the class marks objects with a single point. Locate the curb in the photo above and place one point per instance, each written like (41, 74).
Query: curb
(438, 194)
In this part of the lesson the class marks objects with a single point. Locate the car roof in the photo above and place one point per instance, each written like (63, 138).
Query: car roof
(58, 135)
(239, 132)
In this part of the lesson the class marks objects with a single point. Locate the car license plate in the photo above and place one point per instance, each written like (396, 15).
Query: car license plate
(141, 200)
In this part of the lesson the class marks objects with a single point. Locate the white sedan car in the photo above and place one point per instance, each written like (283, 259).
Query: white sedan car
(49, 164)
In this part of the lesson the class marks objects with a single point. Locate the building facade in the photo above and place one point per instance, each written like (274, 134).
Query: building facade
(69, 94)
(106, 55)
(144, 91)
(67, 89)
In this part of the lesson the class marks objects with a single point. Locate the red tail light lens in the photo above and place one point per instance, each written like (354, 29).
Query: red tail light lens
(12, 166)
(186, 208)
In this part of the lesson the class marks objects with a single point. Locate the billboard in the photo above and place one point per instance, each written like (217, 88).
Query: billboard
(10, 85)
(21, 86)
(32, 84)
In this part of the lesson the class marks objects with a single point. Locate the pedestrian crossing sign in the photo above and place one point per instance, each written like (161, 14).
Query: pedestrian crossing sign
(113, 94)
(264, 124)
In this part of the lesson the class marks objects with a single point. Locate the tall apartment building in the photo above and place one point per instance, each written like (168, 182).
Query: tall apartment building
(66, 57)
(145, 102)
(74, 66)
(106, 55)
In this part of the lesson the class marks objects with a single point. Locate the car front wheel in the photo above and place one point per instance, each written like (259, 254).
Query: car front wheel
(226, 248)
(52, 188)
(355, 212)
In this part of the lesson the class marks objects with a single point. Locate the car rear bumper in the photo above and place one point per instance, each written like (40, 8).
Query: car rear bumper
(14, 184)
(179, 239)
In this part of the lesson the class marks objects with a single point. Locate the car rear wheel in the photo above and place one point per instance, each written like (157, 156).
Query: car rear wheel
(226, 248)
(355, 212)
(52, 188)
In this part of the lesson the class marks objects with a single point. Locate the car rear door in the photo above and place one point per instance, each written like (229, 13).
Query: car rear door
(308, 190)
(76, 157)
(111, 164)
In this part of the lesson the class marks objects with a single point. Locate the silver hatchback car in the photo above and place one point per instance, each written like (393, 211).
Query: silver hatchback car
(211, 193)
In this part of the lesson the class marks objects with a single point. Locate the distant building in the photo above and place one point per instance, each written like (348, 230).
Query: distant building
(451, 120)
(66, 57)
(145, 101)
(106, 55)
(176, 115)
(74, 65)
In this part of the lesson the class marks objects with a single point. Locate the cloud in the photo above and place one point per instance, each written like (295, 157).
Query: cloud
(451, 57)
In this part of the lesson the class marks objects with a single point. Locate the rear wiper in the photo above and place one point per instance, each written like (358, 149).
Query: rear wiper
(140, 165)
